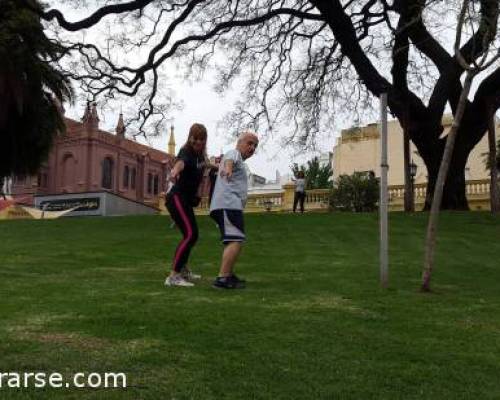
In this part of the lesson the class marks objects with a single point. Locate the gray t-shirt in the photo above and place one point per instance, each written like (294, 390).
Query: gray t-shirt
(231, 194)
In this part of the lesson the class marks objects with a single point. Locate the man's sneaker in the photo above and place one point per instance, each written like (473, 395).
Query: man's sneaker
(228, 283)
(177, 281)
(234, 277)
(189, 275)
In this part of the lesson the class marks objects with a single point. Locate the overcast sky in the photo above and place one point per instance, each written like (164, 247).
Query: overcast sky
(203, 105)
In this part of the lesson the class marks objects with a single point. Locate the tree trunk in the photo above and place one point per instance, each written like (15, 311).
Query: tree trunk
(454, 193)
(430, 242)
(406, 162)
(494, 204)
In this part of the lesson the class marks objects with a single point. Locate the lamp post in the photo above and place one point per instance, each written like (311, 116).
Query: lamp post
(413, 173)
(383, 206)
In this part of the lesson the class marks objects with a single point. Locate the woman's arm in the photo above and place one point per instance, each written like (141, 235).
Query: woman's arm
(175, 172)
(213, 165)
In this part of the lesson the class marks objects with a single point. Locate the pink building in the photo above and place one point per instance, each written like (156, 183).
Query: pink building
(87, 159)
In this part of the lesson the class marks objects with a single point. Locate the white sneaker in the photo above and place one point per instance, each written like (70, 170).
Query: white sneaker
(189, 275)
(177, 281)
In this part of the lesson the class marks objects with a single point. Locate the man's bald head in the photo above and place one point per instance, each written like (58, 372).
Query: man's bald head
(247, 143)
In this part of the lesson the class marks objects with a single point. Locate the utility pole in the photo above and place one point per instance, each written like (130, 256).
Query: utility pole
(383, 209)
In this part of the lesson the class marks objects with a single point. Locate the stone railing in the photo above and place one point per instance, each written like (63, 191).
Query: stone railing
(477, 191)
(279, 201)
(478, 187)
(317, 199)
(266, 201)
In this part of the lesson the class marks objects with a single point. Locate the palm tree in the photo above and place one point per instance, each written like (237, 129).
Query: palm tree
(30, 88)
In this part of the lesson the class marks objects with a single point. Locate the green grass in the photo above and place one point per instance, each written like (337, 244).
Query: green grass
(87, 295)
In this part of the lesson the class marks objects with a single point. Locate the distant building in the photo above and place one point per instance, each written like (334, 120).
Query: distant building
(325, 159)
(358, 149)
(261, 185)
(255, 180)
(88, 159)
(171, 143)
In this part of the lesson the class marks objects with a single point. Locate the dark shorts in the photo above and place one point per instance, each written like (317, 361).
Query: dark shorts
(231, 225)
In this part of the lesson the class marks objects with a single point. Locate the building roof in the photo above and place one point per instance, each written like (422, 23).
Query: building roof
(78, 129)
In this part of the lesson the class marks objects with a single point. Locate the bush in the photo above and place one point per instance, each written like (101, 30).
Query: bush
(358, 192)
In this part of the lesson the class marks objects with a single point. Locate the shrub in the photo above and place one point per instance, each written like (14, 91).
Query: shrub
(358, 192)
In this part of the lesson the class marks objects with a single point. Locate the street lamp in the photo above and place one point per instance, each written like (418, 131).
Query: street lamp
(413, 173)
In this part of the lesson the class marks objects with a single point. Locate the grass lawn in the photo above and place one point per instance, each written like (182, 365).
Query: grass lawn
(87, 295)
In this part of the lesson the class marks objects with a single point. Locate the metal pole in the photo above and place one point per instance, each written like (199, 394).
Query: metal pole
(412, 203)
(384, 267)
(406, 165)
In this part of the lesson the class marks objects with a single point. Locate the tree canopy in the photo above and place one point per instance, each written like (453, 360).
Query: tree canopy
(303, 62)
(30, 89)
(317, 176)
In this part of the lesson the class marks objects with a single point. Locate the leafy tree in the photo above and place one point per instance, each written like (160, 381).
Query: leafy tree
(358, 192)
(303, 62)
(317, 176)
(487, 159)
(30, 87)
(473, 68)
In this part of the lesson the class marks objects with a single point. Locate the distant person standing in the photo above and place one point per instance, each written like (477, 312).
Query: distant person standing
(186, 176)
(2, 184)
(226, 208)
(300, 192)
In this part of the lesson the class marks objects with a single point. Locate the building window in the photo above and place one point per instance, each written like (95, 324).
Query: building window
(42, 180)
(69, 173)
(150, 183)
(132, 178)
(155, 185)
(126, 176)
(19, 180)
(107, 173)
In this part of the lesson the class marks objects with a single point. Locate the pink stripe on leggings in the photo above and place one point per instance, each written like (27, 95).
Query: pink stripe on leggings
(186, 240)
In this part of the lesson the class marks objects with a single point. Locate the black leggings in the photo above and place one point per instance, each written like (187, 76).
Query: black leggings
(299, 197)
(182, 214)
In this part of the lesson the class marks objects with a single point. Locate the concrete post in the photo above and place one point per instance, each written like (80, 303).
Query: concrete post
(289, 189)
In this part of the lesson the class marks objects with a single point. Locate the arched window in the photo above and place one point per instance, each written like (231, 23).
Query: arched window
(68, 173)
(132, 178)
(107, 173)
(155, 185)
(42, 180)
(126, 176)
(150, 183)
